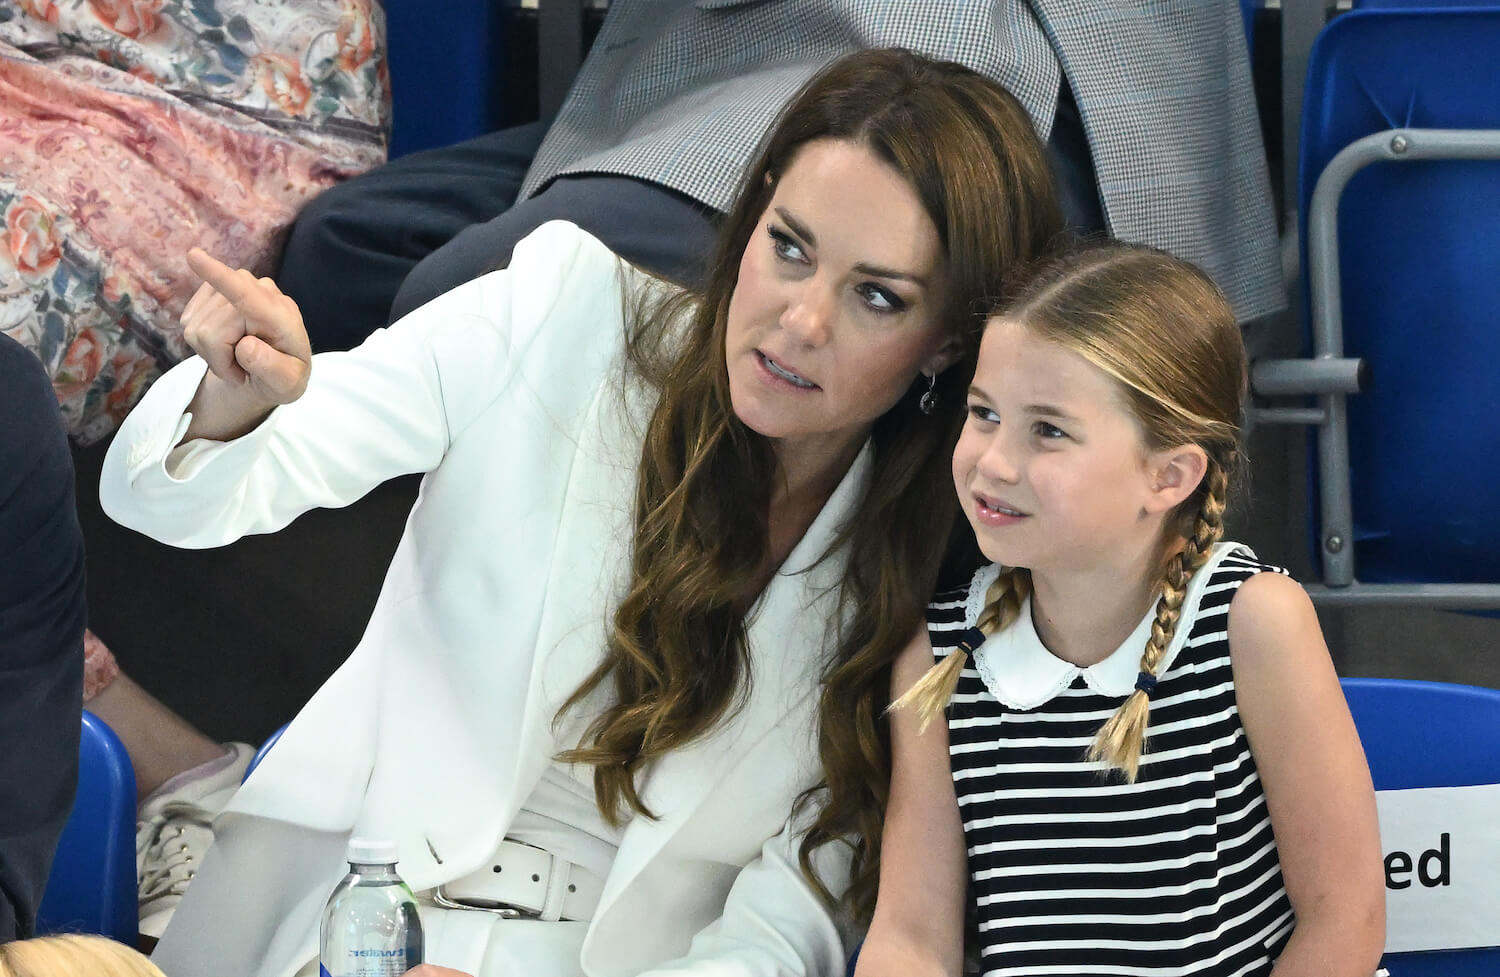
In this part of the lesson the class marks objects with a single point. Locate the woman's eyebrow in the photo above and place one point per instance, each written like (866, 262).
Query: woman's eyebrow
(878, 272)
(798, 228)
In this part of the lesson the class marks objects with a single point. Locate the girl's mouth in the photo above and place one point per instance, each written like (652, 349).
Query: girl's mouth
(997, 511)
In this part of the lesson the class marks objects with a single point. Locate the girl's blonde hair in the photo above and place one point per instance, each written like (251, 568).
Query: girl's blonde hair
(1165, 333)
(73, 954)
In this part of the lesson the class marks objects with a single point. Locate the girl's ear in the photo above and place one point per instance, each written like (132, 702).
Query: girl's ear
(1175, 474)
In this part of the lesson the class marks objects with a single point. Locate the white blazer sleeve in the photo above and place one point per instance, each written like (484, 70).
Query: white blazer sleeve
(774, 923)
(389, 407)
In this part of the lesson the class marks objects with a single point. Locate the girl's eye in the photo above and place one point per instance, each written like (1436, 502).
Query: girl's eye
(1048, 432)
(786, 249)
(880, 299)
(983, 414)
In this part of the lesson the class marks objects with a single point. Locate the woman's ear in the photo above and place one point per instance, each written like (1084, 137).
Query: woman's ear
(946, 355)
(1175, 474)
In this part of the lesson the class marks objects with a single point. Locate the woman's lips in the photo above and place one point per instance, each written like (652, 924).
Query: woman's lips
(782, 375)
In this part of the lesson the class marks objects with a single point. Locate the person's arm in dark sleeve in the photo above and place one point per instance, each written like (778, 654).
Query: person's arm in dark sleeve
(42, 617)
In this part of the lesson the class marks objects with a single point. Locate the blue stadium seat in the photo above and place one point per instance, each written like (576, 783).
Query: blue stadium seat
(1401, 138)
(1419, 4)
(92, 886)
(1429, 734)
(445, 61)
(1247, 14)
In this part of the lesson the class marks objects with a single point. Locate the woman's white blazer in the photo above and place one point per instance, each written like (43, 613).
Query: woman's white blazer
(507, 392)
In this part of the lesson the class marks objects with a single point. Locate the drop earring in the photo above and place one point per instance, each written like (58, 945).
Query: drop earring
(929, 400)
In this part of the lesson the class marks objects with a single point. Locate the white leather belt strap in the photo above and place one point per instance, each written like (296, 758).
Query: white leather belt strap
(522, 880)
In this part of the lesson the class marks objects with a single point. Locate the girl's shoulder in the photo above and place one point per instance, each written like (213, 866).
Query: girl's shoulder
(1213, 589)
(1228, 567)
(1266, 613)
(1237, 561)
(1253, 614)
(958, 604)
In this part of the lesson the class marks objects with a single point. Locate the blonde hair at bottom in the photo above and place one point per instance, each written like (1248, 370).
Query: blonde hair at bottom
(73, 955)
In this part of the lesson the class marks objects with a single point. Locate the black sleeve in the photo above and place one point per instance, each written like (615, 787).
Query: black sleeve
(42, 618)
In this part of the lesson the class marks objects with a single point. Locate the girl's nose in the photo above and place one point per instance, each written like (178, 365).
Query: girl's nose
(996, 462)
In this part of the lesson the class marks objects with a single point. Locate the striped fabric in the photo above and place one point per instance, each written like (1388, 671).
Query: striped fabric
(680, 92)
(1072, 870)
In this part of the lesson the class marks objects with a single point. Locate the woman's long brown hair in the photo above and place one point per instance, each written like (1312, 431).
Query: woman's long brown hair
(677, 654)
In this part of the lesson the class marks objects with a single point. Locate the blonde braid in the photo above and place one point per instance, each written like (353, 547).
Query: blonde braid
(1002, 605)
(1121, 739)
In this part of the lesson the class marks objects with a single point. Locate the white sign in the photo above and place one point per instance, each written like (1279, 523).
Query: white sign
(1442, 867)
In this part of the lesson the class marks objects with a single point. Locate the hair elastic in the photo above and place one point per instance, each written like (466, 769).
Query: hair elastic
(970, 641)
(1145, 682)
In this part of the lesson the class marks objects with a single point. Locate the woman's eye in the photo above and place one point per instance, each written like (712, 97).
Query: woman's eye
(983, 414)
(1048, 432)
(880, 299)
(786, 249)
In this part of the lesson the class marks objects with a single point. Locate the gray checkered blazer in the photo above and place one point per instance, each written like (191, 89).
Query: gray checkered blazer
(680, 92)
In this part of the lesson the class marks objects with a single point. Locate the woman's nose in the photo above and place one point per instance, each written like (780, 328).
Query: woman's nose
(809, 313)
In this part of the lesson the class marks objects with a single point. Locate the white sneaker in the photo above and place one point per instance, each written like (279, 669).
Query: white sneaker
(173, 829)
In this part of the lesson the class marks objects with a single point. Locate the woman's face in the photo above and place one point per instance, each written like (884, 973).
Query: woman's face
(835, 310)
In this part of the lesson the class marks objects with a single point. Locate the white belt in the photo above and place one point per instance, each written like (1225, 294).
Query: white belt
(521, 880)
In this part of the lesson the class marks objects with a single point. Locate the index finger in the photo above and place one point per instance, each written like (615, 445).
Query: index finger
(235, 285)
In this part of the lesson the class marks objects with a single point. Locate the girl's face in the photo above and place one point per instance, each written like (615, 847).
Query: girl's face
(835, 309)
(1051, 468)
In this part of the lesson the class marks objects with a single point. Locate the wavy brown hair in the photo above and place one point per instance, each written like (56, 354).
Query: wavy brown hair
(1166, 335)
(677, 656)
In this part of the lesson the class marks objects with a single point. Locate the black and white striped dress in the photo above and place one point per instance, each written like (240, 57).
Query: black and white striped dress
(1075, 872)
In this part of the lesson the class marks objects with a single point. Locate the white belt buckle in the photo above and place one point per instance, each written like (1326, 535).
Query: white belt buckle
(535, 884)
(440, 896)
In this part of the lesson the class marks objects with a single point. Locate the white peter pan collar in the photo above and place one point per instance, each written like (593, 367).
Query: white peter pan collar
(1022, 674)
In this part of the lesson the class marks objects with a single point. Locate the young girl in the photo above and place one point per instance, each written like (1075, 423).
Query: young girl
(1146, 755)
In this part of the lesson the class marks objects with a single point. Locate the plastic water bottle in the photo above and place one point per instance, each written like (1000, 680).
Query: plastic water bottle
(370, 925)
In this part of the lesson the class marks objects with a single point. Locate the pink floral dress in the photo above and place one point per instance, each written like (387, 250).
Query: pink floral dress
(132, 130)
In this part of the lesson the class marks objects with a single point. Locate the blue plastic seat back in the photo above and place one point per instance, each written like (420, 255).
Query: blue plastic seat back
(1429, 734)
(1426, 734)
(1420, 269)
(92, 886)
(446, 64)
(1420, 4)
(1247, 15)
